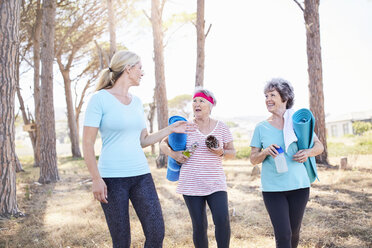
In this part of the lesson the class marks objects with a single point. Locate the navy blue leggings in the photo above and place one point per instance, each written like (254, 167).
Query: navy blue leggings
(286, 210)
(218, 205)
(140, 190)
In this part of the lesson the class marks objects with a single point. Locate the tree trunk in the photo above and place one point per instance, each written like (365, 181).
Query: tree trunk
(111, 22)
(36, 44)
(74, 136)
(26, 120)
(200, 36)
(100, 55)
(160, 89)
(48, 158)
(9, 49)
(18, 163)
(80, 105)
(311, 15)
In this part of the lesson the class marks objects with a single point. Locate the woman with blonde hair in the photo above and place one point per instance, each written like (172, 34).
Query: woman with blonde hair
(122, 173)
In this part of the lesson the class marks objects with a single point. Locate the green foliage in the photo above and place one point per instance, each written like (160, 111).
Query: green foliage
(179, 101)
(243, 152)
(354, 145)
(365, 139)
(361, 127)
(232, 124)
(180, 18)
(150, 155)
(27, 193)
(77, 24)
(179, 105)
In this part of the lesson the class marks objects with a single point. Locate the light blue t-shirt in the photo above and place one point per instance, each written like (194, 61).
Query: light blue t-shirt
(295, 178)
(120, 126)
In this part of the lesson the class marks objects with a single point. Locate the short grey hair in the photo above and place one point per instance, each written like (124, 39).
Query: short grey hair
(207, 93)
(284, 88)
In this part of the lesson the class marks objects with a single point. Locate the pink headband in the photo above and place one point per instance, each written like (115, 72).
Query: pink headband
(201, 94)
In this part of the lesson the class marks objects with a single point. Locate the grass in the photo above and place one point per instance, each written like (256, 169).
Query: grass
(64, 214)
(347, 145)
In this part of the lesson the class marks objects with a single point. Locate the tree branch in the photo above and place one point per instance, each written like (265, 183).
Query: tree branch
(170, 36)
(209, 28)
(82, 96)
(25, 59)
(299, 5)
(161, 9)
(148, 17)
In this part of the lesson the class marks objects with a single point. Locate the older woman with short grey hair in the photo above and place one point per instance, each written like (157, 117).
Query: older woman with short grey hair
(285, 194)
(284, 88)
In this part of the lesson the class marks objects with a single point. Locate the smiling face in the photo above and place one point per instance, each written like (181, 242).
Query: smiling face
(274, 102)
(201, 107)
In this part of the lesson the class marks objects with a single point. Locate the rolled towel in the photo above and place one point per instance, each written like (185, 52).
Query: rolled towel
(177, 141)
(303, 125)
(288, 132)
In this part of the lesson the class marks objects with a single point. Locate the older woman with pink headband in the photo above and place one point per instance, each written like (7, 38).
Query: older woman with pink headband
(202, 179)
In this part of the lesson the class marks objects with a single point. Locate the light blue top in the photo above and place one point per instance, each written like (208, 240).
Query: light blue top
(295, 178)
(120, 126)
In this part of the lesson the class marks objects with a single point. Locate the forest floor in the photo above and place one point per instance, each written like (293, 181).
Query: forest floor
(64, 214)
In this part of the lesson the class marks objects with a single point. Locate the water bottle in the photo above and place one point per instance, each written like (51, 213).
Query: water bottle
(280, 163)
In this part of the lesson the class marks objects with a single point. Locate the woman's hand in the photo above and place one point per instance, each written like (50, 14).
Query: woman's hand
(99, 189)
(183, 127)
(270, 150)
(179, 157)
(219, 151)
(301, 156)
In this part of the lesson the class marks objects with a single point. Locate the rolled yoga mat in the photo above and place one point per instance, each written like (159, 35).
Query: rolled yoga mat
(177, 141)
(303, 125)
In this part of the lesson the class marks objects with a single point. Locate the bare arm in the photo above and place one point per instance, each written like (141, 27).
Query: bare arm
(176, 155)
(177, 127)
(258, 154)
(229, 150)
(302, 155)
(150, 139)
(98, 185)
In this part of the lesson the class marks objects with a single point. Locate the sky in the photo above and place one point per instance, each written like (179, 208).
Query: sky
(251, 42)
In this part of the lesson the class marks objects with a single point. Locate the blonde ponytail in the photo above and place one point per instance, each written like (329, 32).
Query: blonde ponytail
(119, 62)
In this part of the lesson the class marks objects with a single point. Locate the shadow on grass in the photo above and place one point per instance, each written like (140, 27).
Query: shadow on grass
(63, 160)
(343, 214)
(29, 231)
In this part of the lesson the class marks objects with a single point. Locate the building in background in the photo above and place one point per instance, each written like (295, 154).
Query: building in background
(340, 125)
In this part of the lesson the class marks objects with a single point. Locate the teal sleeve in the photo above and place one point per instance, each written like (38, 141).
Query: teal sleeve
(93, 113)
(256, 138)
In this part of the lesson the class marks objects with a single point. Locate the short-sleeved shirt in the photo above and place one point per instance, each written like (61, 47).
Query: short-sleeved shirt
(203, 173)
(295, 178)
(120, 126)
